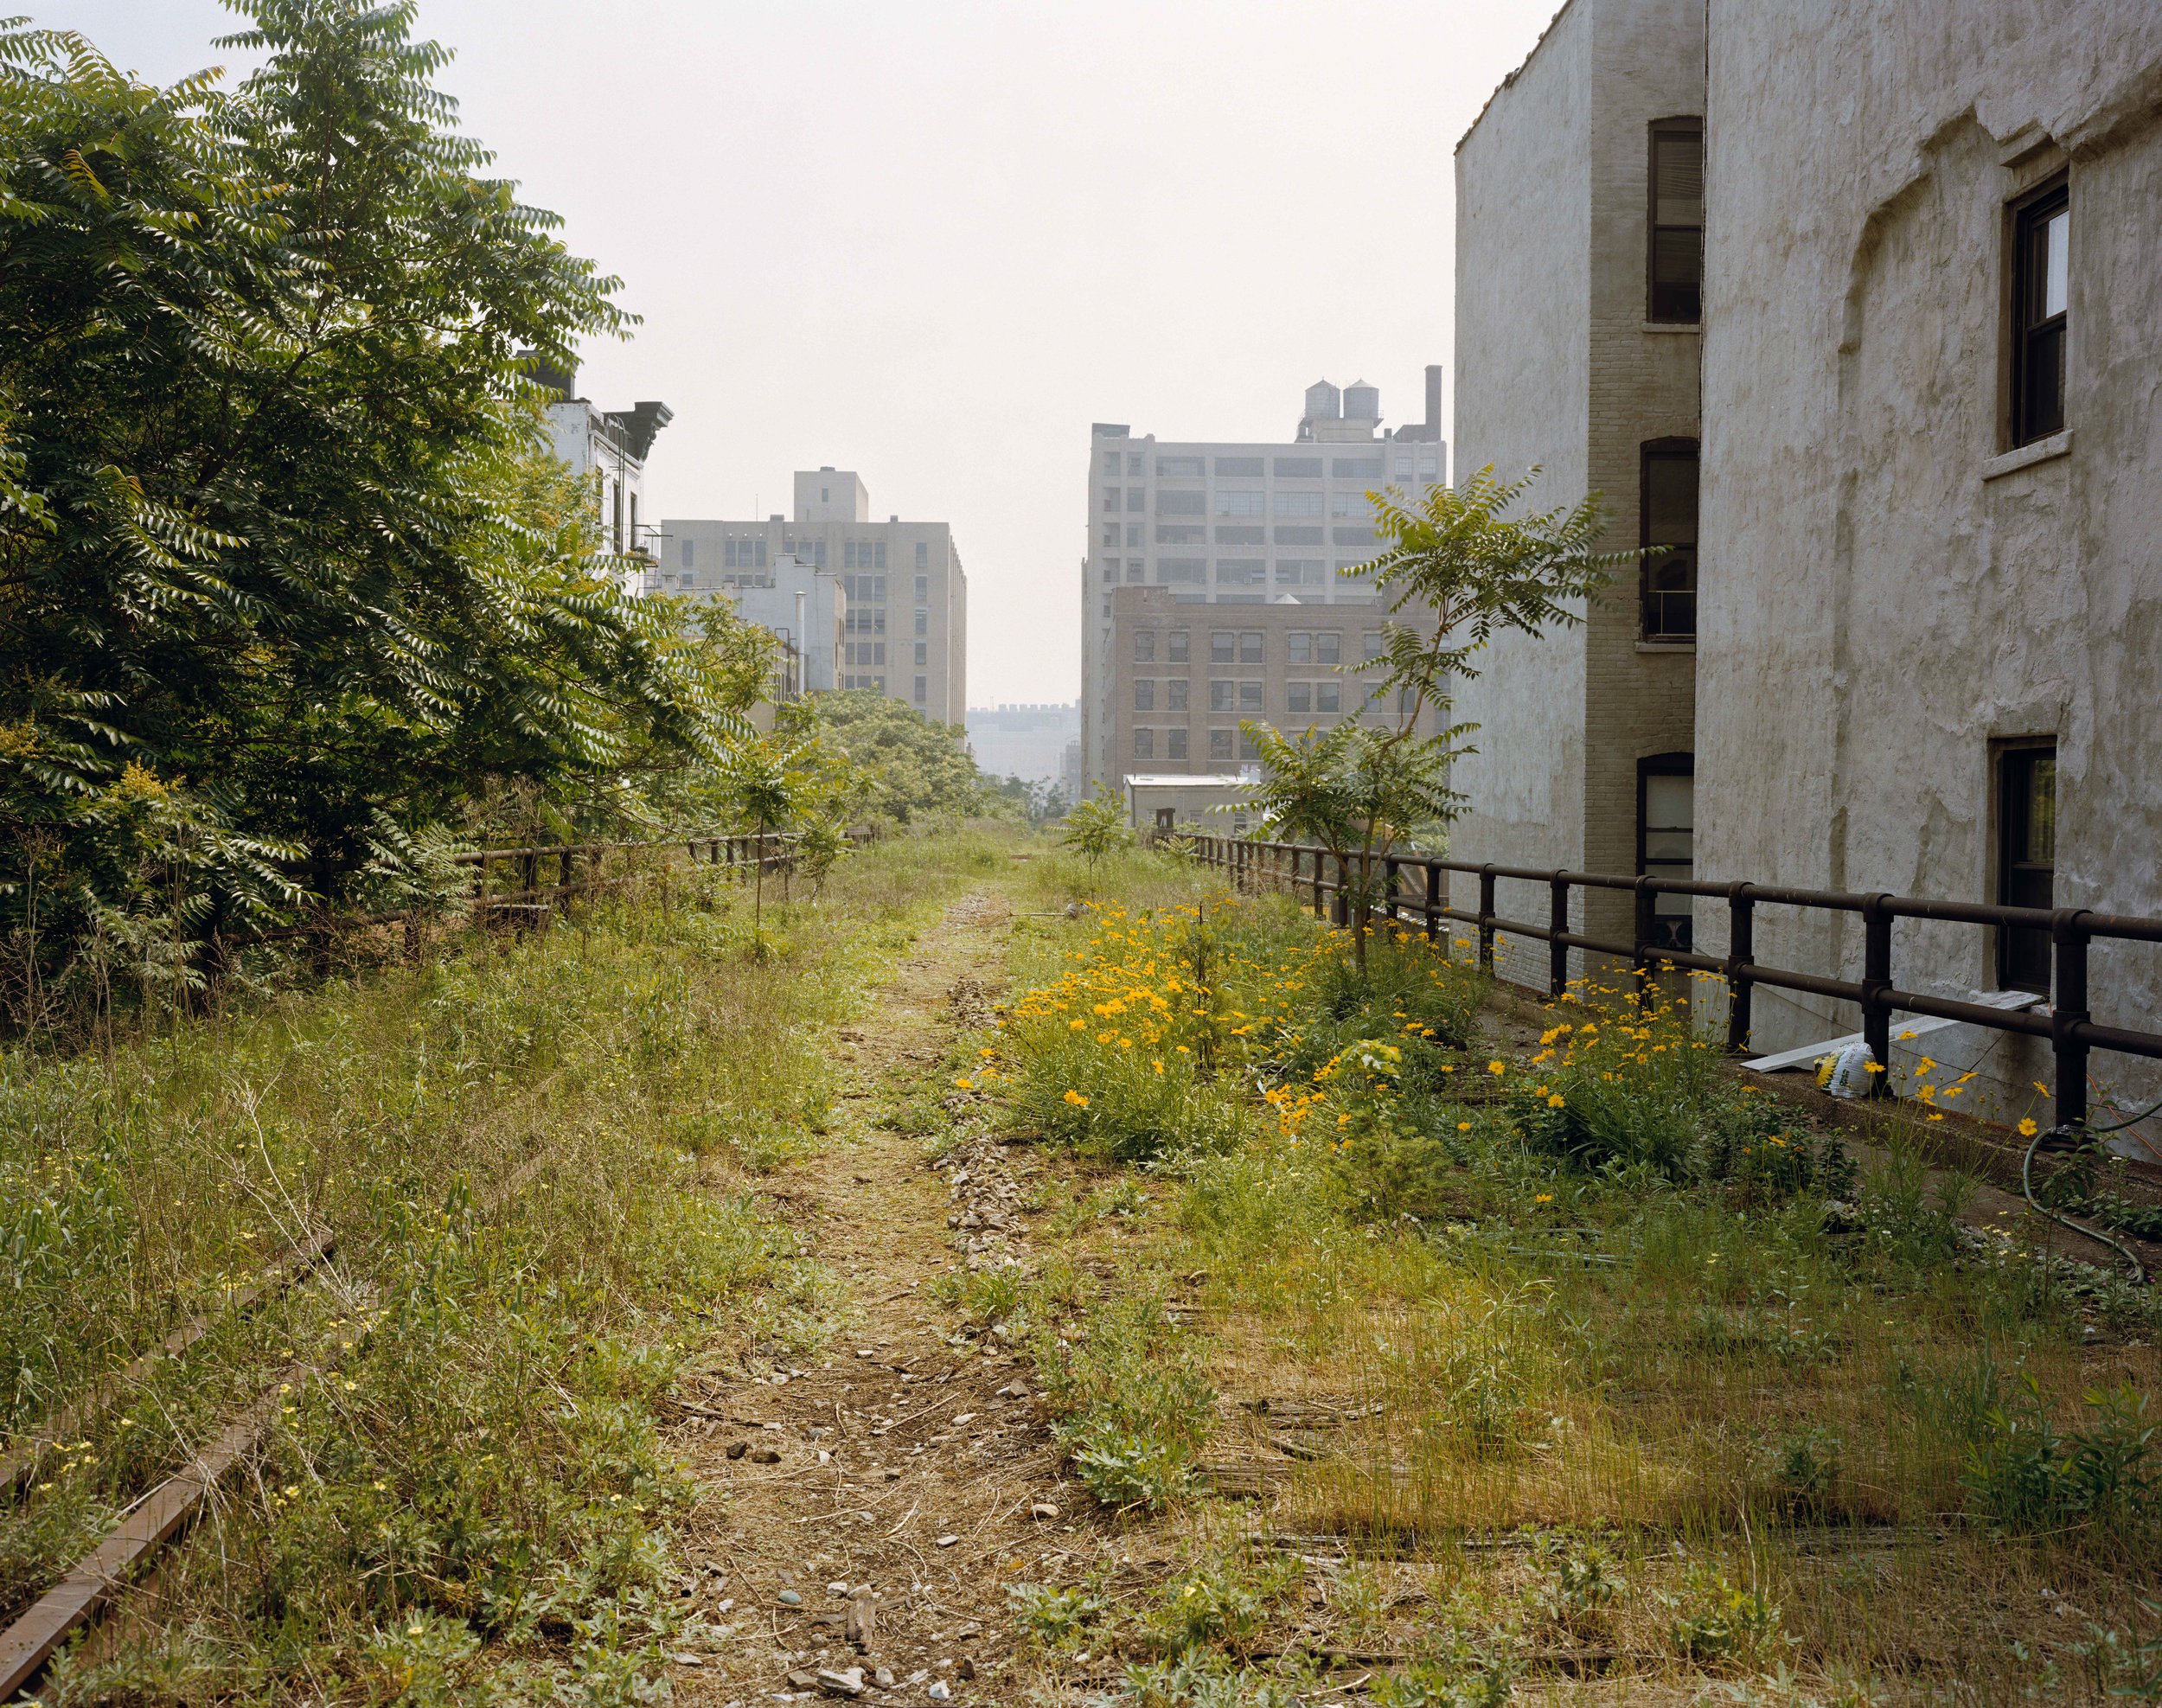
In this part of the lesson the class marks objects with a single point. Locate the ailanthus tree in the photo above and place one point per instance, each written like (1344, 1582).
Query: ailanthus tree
(1457, 569)
(265, 446)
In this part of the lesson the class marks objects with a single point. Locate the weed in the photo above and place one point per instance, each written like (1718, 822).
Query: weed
(1132, 1399)
(1579, 1583)
(1055, 1617)
(1227, 1602)
(1712, 1621)
(2024, 1475)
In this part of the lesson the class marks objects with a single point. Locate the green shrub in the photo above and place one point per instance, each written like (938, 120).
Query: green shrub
(1134, 1402)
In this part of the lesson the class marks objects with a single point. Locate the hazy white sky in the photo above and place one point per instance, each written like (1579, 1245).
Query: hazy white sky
(932, 241)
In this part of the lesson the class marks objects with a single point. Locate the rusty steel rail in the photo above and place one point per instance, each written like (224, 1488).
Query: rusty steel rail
(171, 1505)
(2072, 1032)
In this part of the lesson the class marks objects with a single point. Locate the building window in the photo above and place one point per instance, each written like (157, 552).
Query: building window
(1375, 643)
(1355, 468)
(1299, 571)
(1675, 262)
(923, 654)
(1666, 839)
(1220, 743)
(1298, 468)
(1298, 504)
(1223, 646)
(1181, 534)
(686, 553)
(922, 690)
(2026, 858)
(1145, 646)
(1181, 503)
(2042, 288)
(1251, 646)
(1242, 536)
(1110, 467)
(1328, 696)
(922, 586)
(1144, 744)
(1299, 698)
(1132, 533)
(922, 555)
(1349, 500)
(1110, 498)
(1137, 569)
(1110, 533)
(923, 622)
(1179, 648)
(1136, 465)
(1177, 468)
(1175, 693)
(1144, 694)
(1250, 703)
(1137, 498)
(1241, 468)
(1241, 572)
(1175, 745)
(1666, 529)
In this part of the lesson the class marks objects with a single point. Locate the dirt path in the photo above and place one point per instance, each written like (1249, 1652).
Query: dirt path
(868, 1511)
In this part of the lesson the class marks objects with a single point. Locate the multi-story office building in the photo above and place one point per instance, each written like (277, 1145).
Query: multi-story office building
(1184, 676)
(608, 447)
(905, 611)
(1218, 523)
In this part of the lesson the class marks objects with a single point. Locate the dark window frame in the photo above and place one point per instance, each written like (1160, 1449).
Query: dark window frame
(2023, 955)
(1652, 627)
(1666, 764)
(1667, 313)
(2039, 341)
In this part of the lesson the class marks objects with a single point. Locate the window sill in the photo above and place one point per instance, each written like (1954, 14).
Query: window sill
(1691, 327)
(1666, 646)
(2042, 450)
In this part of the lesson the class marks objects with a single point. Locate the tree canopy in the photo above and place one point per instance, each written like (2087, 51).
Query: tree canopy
(286, 577)
(893, 761)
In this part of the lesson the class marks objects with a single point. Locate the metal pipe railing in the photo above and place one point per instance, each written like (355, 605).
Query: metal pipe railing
(2072, 1032)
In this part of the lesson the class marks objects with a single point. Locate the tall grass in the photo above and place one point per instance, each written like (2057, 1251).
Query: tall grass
(1601, 1286)
(535, 1154)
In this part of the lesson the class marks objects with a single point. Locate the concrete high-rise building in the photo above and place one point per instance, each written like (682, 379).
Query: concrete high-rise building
(1218, 522)
(904, 605)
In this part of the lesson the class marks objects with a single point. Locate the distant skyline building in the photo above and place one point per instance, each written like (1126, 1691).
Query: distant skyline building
(1224, 522)
(1025, 741)
(903, 598)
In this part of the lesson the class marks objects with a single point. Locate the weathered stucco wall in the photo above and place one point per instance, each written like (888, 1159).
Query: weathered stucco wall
(1881, 600)
(1557, 367)
(1523, 354)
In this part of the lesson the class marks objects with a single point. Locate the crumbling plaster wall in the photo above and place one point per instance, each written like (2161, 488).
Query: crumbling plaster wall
(1557, 369)
(1523, 332)
(1883, 596)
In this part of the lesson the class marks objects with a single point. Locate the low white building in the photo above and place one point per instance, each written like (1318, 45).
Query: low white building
(1215, 805)
(806, 611)
(609, 447)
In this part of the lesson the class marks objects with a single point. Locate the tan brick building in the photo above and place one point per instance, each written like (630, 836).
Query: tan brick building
(1579, 239)
(1184, 676)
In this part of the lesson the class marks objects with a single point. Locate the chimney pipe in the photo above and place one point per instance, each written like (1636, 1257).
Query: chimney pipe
(1434, 400)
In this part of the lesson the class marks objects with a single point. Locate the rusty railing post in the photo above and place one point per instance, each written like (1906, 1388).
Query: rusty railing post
(1741, 950)
(1434, 902)
(1557, 924)
(2067, 939)
(1877, 979)
(1486, 918)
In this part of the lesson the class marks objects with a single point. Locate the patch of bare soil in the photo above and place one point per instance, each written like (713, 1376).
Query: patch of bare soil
(861, 1517)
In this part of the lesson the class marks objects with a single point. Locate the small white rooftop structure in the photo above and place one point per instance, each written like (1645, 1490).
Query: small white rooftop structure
(1217, 802)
